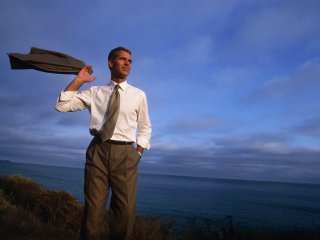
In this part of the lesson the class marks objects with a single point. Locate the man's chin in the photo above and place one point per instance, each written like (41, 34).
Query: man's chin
(124, 75)
(121, 75)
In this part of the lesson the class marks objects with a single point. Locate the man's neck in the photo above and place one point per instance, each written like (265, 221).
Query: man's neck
(118, 80)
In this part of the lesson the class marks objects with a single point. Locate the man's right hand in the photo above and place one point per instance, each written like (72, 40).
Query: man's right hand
(83, 76)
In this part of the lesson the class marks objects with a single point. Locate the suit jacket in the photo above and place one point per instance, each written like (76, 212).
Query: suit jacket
(46, 61)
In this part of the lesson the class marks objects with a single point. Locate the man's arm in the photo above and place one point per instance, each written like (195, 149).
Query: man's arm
(69, 100)
(144, 126)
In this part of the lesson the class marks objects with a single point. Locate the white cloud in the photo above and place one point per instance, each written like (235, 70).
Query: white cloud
(303, 81)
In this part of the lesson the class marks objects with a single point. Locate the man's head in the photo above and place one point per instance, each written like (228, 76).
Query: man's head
(114, 52)
(119, 61)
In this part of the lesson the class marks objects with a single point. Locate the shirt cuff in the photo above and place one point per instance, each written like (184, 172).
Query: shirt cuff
(144, 144)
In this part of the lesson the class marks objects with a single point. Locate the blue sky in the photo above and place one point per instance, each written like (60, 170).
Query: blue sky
(233, 85)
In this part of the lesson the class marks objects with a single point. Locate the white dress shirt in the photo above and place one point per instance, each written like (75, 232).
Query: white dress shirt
(133, 113)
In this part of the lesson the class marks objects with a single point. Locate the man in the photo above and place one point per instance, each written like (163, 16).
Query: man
(111, 157)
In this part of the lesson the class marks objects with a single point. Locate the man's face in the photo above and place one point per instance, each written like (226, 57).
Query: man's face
(120, 66)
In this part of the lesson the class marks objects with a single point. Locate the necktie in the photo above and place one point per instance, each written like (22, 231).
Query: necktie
(112, 115)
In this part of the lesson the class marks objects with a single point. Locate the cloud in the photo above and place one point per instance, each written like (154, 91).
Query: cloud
(309, 127)
(245, 159)
(257, 155)
(191, 125)
(294, 87)
(37, 144)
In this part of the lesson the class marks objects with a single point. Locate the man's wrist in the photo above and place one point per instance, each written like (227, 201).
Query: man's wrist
(140, 150)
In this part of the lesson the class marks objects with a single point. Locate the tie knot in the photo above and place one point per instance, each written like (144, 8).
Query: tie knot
(116, 87)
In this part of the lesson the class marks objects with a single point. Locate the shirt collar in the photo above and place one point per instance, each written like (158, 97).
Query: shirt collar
(123, 85)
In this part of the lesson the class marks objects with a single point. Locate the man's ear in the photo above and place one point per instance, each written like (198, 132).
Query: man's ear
(110, 63)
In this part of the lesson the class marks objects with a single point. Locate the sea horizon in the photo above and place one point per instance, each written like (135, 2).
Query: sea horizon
(176, 175)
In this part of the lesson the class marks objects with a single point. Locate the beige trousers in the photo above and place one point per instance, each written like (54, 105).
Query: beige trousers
(110, 166)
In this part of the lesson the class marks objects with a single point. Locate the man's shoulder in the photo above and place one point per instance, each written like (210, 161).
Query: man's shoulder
(99, 88)
(135, 89)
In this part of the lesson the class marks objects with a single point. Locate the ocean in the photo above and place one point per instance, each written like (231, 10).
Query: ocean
(273, 205)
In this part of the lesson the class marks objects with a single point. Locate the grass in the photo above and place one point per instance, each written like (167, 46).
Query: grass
(28, 211)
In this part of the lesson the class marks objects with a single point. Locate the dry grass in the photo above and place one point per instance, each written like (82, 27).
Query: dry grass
(28, 211)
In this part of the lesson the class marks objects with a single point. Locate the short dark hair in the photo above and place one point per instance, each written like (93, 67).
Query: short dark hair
(114, 52)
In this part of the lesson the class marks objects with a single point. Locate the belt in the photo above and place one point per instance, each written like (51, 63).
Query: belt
(118, 142)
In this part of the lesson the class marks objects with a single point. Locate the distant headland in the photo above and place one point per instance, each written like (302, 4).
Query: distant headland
(5, 161)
